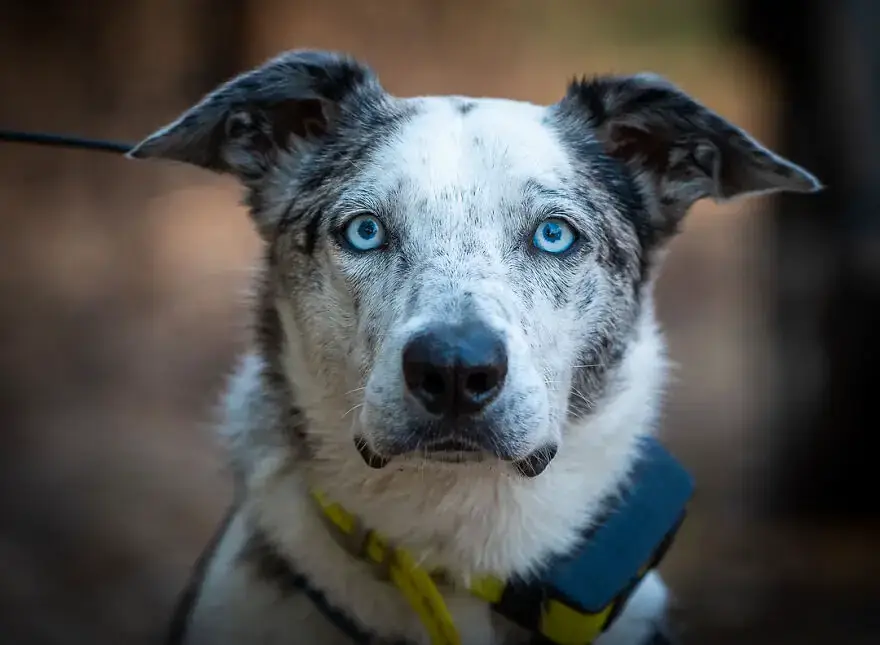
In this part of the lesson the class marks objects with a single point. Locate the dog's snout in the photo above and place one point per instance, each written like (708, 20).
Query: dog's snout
(455, 370)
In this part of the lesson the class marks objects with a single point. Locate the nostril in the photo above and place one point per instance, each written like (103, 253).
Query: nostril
(479, 382)
(433, 383)
(429, 376)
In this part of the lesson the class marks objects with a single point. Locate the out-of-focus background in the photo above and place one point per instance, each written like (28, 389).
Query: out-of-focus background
(122, 293)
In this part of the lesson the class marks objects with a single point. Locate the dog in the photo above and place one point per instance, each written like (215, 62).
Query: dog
(454, 335)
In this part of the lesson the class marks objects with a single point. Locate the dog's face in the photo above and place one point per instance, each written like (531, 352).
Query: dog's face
(457, 278)
(467, 271)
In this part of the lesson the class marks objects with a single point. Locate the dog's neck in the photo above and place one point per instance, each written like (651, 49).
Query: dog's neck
(473, 519)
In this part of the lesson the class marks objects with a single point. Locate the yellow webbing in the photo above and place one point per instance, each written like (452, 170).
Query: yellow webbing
(559, 623)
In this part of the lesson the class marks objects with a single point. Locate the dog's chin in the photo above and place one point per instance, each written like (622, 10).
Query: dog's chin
(457, 451)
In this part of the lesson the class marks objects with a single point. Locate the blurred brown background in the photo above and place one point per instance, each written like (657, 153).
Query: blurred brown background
(121, 292)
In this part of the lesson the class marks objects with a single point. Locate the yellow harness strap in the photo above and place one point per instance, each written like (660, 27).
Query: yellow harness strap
(557, 622)
(415, 584)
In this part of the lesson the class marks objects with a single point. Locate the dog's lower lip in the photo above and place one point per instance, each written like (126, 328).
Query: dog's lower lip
(370, 456)
(452, 445)
(537, 462)
(452, 451)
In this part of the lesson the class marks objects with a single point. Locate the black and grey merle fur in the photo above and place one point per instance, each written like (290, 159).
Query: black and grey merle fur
(459, 187)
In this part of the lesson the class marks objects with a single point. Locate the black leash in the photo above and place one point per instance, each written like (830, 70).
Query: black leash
(64, 141)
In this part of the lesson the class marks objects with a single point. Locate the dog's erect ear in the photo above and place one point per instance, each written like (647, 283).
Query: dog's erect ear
(240, 127)
(684, 150)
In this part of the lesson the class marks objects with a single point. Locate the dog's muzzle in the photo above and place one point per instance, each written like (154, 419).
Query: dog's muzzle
(452, 373)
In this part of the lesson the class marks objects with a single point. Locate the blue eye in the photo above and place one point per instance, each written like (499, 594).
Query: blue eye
(365, 233)
(554, 236)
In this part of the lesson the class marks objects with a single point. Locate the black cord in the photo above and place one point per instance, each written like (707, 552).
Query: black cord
(63, 141)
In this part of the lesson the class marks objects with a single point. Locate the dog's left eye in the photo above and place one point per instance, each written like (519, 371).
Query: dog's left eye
(554, 236)
(365, 233)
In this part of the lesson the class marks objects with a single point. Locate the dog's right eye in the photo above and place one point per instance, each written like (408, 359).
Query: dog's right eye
(365, 233)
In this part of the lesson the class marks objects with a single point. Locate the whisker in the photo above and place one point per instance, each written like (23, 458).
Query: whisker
(352, 409)
(582, 397)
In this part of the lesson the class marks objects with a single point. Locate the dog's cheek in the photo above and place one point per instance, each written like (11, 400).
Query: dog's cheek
(547, 333)
(362, 331)
(364, 344)
(325, 320)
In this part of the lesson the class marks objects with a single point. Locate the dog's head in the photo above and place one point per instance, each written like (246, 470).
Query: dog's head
(456, 278)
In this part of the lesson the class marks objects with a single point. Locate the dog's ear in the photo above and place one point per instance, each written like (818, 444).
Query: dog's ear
(683, 150)
(240, 128)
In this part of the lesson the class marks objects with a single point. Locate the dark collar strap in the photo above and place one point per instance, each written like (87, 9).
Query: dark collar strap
(272, 565)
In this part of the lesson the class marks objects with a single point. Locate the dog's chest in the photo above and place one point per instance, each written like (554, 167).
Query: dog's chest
(476, 624)
(246, 597)
(389, 613)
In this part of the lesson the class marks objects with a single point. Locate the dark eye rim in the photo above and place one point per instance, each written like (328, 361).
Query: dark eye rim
(345, 222)
(576, 244)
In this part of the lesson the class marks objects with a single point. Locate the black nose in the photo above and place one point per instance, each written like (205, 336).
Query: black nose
(455, 370)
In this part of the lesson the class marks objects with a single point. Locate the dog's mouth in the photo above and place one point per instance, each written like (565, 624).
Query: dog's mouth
(453, 450)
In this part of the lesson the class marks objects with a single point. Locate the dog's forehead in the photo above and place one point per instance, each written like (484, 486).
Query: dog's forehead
(473, 145)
